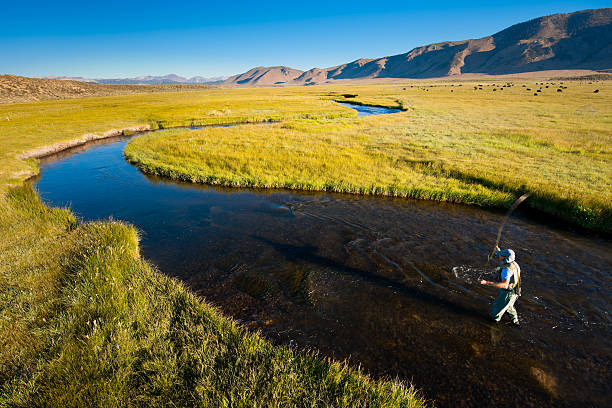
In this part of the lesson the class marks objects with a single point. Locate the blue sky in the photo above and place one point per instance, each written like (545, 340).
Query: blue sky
(130, 38)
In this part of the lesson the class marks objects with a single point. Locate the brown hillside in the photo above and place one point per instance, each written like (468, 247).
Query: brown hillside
(580, 40)
(22, 89)
(560, 42)
(264, 76)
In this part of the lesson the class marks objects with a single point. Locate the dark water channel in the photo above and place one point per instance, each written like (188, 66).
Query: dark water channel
(387, 283)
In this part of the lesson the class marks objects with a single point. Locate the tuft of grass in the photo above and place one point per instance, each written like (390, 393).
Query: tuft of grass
(85, 321)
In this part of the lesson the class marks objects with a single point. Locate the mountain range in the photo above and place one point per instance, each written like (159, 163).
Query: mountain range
(574, 41)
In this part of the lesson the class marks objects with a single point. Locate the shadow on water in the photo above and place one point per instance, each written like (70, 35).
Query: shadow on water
(308, 253)
(387, 283)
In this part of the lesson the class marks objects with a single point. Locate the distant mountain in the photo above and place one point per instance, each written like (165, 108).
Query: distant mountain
(265, 76)
(146, 80)
(575, 41)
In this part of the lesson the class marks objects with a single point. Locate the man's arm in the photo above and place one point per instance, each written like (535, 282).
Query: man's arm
(501, 285)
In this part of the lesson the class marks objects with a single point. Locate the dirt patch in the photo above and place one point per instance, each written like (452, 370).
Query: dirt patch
(58, 147)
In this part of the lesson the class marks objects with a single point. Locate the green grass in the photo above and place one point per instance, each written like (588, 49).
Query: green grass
(86, 322)
(283, 156)
(476, 147)
(26, 126)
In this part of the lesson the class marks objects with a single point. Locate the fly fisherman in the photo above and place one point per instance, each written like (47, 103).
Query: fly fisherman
(509, 279)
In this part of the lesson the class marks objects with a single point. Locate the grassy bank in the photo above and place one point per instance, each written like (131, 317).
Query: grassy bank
(477, 146)
(86, 322)
(28, 126)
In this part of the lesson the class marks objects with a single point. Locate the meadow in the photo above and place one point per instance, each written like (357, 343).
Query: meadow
(27, 126)
(454, 142)
(84, 320)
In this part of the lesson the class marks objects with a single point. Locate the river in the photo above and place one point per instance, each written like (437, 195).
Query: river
(387, 283)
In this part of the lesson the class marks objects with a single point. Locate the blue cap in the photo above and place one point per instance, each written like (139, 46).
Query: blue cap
(506, 253)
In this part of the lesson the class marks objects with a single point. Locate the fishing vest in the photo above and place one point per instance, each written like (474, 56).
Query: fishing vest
(515, 275)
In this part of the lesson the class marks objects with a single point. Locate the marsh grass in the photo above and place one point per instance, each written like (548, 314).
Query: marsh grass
(86, 322)
(272, 156)
(474, 147)
(26, 126)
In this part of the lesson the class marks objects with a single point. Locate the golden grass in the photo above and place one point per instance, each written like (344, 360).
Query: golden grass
(27, 126)
(84, 321)
(481, 147)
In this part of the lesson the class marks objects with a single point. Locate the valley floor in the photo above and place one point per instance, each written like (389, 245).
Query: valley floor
(85, 320)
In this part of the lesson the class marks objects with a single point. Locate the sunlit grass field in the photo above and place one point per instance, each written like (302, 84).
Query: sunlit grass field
(27, 126)
(453, 143)
(84, 320)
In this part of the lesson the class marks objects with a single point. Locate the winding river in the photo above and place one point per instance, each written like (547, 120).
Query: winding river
(389, 284)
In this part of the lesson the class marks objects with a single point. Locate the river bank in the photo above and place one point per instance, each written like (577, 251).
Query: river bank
(38, 256)
(86, 321)
(387, 282)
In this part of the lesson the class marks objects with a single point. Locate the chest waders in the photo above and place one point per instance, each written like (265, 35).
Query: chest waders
(515, 277)
(507, 297)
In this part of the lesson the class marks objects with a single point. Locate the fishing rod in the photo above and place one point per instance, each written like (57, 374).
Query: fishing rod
(501, 227)
(499, 231)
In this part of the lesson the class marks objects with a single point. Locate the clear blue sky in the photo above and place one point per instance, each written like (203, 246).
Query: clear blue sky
(130, 38)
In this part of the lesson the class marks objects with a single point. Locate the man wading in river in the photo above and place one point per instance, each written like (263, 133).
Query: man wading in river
(509, 277)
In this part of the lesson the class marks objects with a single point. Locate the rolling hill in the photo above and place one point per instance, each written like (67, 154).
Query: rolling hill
(265, 76)
(15, 88)
(574, 41)
(171, 79)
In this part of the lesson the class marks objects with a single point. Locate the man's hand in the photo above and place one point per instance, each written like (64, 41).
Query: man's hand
(483, 282)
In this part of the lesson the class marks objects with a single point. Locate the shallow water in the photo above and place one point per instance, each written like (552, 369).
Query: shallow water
(368, 110)
(389, 284)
